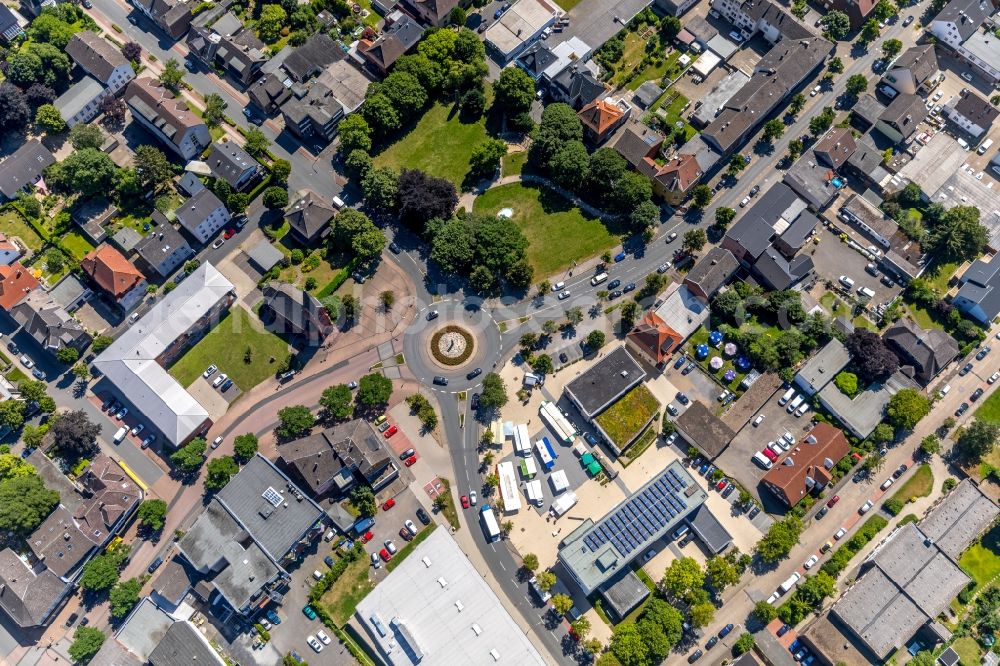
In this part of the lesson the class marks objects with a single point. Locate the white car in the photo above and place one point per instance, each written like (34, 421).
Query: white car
(757, 421)
(735, 36)
(815, 91)
(122, 413)
(218, 243)
(558, 286)
(811, 562)
(27, 362)
(410, 527)
(782, 443)
(314, 644)
(887, 483)
(995, 376)
(264, 623)
(323, 637)
(317, 574)
(563, 295)
(839, 534)
(744, 202)
(219, 380)
(473, 497)
(217, 441)
(866, 507)
(774, 597)
(789, 437)
(775, 449)
(209, 371)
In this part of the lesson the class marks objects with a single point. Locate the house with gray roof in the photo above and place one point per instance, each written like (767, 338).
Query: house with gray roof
(309, 217)
(536, 59)
(70, 293)
(577, 86)
(824, 365)
(184, 644)
(312, 57)
(776, 272)
(29, 597)
(711, 273)
(914, 70)
(812, 180)
(923, 354)
(774, 211)
(972, 113)
(395, 41)
(230, 45)
(646, 94)
(163, 250)
(703, 429)
(866, 162)
(296, 312)
(900, 119)
(203, 215)
(10, 24)
(269, 92)
(979, 291)
(862, 413)
(81, 102)
(232, 164)
(100, 59)
(254, 527)
(171, 16)
(49, 324)
(957, 26)
(264, 256)
(23, 168)
(624, 595)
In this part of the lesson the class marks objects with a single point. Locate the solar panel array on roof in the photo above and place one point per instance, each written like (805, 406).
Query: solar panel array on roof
(642, 516)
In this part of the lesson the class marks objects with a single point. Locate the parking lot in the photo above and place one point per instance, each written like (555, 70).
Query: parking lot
(833, 258)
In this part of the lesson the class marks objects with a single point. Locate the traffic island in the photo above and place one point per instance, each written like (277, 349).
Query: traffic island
(452, 346)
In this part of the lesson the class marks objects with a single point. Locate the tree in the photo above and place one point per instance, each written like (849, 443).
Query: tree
(959, 236)
(681, 577)
(780, 539)
(88, 171)
(891, 48)
(457, 17)
(67, 355)
(930, 445)
(272, 19)
(189, 457)
(124, 596)
(381, 114)
(32, 435)
(882, 434)
(87, 642)
(488, 153)
(773, 129)
(85, 135)
(906, 408)
(835, 66)
(629, 310)
(237, 203)
(423, 198)
(856, 84)
(294, 421)
(257, 143)
(172, 75)
(744, 643)
(796, 104)
(822, 121)
(49, 119)
(701, 195)
(152, 167)
(363, 500)
(24, 503)
(369, 243)
(869, 31)
(628, 646)
(568, 162)
(113, 109)
(836, 23)
(13, 466)
(37, 62)
(694, 240)
(977, 440)
(275, 197)
(357, 164)
(387, 299)
(670, 27)
(220, 470)
(644, 216)
(514, 91)
(153, 514)
(795, 148)
(559, 126)
(580, 628)
(595, 340)
(724, 216)
(380, 187)
(721, 572)
(473, 102)
(51, 29)
(493, 394)
(355, 134)
(764, 612)
(736, 164)
(542, 364)
(215, 110)
(100, 573)
(132, 51)
(14, 110)
(561, 603)
(12, 413)
(873, 360)
(101, 342)
(530, 562)
(337, 401)
(374, 390)
(74, 431)
(702, 613)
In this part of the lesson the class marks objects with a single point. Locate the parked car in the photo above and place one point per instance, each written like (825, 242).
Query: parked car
(465, 502)
(139, 427)
(389, 503)
(671, 237)
(757, 421)
(475, 398)
(865, 508)
(833, 500)
(217, 441)
(614, 284)
(753, 512)
(410, 527)
(839, 534)
(27, 362)
(122, 413)
(899, 471)
(683, 399)
(888, 482)
(149, 440)
(376, 562)
(966, 369)
(423, 517)
(811, 562)
(976, 394)
(154, 565)
(217, 382)
(995, 376)
(385, 555)
(391, 431)
(209, 371)
(563, 295)
(981, 354)
(395, 249)
(963, 408)
(409, 462)
(822, 512)
(390, 546)
(366, 537)
(273, 616)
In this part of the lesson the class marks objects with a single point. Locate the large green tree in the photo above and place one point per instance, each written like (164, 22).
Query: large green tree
(337, 401)
(958, 235)
(514, 91)
(153, 168)
(294, 421)
(152, 513)
(682, 576)
(245, 446)
(978, 439)
(24, 503)
(355, 134)
(493, 394)
(219, 471)
(836, 23)
(87, 642)
(124, 596)
(189, 457)
(374, 390)
(906, 408)
(87, 172)
(780, 539)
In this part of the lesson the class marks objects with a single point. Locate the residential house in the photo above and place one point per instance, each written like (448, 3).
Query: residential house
(312, 57)
(269, 92)
(638, 143)
(171, 16)
(675, 179)
(864, 412)
(167, 118)
(700, 30)
(865, 113)
(9, 251)
(972, 113)
(824, 365)
(711, 273)
(49, 324)
(203, 215)
(309, 217)
(979, 291)
(836, 146)
(576, 85)
(338, 458)
(190, 184)
(248, 534)
(868, 219)
(900, 119)
(337, 92)
(777, 272)
(923, 354)
(230, 45)
(543, 62)
(763, 16)
(536, 59)
(231, 163)
(662, 331)
(24, 168)
(432, 12)
(653, 340)
(914, 71)
(113, 273)
(264, 256)
(70, 293)
(866, 163)
(163, 249)
(92, 216)
(396, 40)
(813, 179)
(602, 117)
(769, 216)
(81, 102)
(856, 10)
(16, 282)
(956, 29)
(296, 312)
(11, 24)
(100, 59)
(810, 469)
(29, 597)
(521, 24)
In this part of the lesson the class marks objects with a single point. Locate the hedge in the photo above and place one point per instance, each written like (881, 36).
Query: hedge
(836, 564)
(339, 279)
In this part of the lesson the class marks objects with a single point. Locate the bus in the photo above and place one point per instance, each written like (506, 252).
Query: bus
(490, 526)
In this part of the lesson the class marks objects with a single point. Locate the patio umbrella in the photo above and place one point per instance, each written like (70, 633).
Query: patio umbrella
(729, 349)
(743, 363)
(701, 351)
(715, 363)
(730, 375)
(715, 337)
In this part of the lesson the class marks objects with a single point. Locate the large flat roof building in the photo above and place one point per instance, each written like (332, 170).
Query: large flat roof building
(518, 27)
(606, 381)
(134, 362)
(436, 608)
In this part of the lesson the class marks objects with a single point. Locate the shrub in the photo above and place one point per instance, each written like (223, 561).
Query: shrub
(893, 506)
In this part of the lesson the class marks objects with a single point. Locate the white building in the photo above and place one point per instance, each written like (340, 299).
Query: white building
(519, 26)
(100, 59)
(203, 215)
(82, 101)
(167, 117)
(957, 28)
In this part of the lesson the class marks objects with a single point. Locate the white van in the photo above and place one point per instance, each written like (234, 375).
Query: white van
(338, 202)
(803, 409)
(944, 391)
(761, 460)
(865, 291)
(846, 281)
(120, 435)
(598, 279)
(789, 394)
(986, 145)
(790, 582)
(794, 404)
(888, 92)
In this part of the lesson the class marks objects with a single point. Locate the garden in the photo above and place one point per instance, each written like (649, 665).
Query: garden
(639, 53)
(624, 420)
(558, 232)
(12, 224)
(726, 365)
(920, 484)
(667, 110)
(257, 355)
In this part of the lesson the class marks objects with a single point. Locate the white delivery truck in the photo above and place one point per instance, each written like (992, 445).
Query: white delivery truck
(794, 404)
(789, 394)
(120, 435)
(790, 582)
(489, 520)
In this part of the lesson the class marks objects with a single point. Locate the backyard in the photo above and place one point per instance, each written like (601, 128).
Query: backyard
(701, 337)
(440, 144)
(624, 419)
(558, 232)
(266, 352)
(990, 410)
(12, 224)
(347, 591)
(982, 559)
(669, 108)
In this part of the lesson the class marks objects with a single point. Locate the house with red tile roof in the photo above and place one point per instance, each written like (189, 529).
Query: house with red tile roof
(113, 273)
(653, 339)
(809, 465)
(601, 118)
(16, 282)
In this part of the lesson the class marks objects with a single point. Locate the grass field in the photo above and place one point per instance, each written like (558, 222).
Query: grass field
(76, 244)
(919, 485)
(990, 410)
(968, 651)
(982, 560)
(939, 275)
(558, 232)
(440, 144)
(12, 224)
(624, 419)
(513, 163)
(344, 595)
(218, 347)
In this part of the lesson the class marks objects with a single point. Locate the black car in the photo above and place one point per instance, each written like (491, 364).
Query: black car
(394, 248)
(475, 401)
(563, 358)
(962, 409)
(689, 369)
(328, 561)
(966, 369)
(783, 630)
(753, 512)
(629, 287)
(72, 619)
(423, 517)
(982, 353)
(615, 294)
(822, 512)
(679, 362)
(226, 385)
(13, 348)
(154, 565)
(754, 190)
(695, 656)
(976, 394)
(683, 399)
(899, 471)
(441, 381)
(887, 281)
(711, 642)
(475, 373)
(614, 284)
(725, 630)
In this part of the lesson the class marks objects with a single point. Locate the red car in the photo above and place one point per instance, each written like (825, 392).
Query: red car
(385, 555)
(230, 232)
(389, 503)
(770, 454)
(833, 500)
(367, 537)
(410, 461)
(465, 502)
(391, 431)
(721, 484)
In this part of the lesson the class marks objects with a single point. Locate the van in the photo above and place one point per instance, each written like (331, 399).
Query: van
(866, 292)
(789, 394)
(120, 435)
(338, 202)
(794, 404)
(330, 536)
(680, 531)
(802, 410)
(846, 281)
(944, 391)
(761, 460)
(986, 145)
(888, 92)
(790, 582)
(598, 279)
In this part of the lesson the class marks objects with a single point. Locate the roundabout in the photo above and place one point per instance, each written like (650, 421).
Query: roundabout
(460, 338)
(452, 346)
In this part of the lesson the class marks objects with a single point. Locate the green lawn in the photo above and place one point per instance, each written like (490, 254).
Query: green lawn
(982, 560)
(449, 511)
(624, 419)
(919, 485)
(226, 345)
(673, 104)
(345, 593)
(939, 274)
(558, 232)
(923, 316)
(76, 244)
(513, 163)
(567, 4)
(968, 651)
(12, 224)
(669, 68)
(990, 409)
(440, 144)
